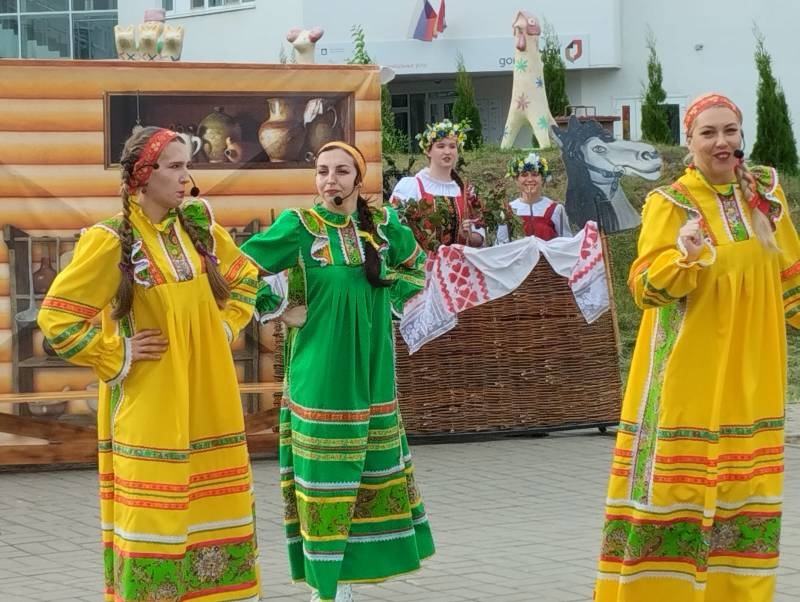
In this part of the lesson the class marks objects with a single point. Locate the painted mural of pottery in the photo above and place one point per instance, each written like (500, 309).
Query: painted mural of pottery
(322, 125)
(216, 130)
(282, 135)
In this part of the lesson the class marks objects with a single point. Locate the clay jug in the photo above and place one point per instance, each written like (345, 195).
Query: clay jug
(322, 124)
(214, 130)
(44, 276)
(282, 135)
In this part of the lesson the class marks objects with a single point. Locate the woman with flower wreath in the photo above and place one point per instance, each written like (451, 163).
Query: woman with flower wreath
(541, 217)
(435, 203)
(173, 291)
(353, 513)
(694, 499)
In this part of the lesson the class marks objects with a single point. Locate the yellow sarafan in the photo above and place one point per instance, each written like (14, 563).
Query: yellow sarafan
(175, 483)
(694, 499)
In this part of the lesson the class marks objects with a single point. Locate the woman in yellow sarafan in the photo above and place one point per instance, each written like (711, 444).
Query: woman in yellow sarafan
(175, 486)
(694, 499)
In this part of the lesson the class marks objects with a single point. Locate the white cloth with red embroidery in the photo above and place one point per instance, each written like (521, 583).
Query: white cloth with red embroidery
(459, 277)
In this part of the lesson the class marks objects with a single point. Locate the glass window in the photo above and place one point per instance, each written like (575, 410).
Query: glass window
(8, 6)
(399, 100)
(216, 3)
(93, 36)
(45, 37)
(43, 6)
(417, 116)
(9, 38)
(167, 5)
(94, 5)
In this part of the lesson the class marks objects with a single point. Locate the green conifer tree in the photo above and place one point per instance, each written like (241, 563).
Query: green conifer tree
(655, 119)
(555, 72)
(775, 143)
(465, 108)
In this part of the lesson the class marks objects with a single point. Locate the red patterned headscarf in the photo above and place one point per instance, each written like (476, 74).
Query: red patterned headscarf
(706, 101)
(143, 168)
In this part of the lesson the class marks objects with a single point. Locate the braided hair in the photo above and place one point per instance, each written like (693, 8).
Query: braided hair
(123, 300)
(761, 223)
(372, 259)
(219, 286)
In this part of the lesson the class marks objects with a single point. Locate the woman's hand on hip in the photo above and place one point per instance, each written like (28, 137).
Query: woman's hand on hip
(294, 317)
(148, 345)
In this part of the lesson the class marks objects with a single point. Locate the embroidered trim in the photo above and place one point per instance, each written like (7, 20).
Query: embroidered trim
(767, 177)
(108, 227)
(346, 219)
(199, 212)
(176, 253)
(141, 265)
(279, 285)
(791, 271)
(381, 224)
(320, 248)
(666, 330)
(81, 344)
(70, 307)
(736, 223)
(351, 245)
(654, 296)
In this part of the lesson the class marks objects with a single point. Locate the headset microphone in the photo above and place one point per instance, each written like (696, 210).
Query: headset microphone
(738, 153)
(338, 200)
(194, 191)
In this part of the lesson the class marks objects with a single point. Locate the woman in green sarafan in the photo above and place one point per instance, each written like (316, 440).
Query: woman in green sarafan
(353, 512)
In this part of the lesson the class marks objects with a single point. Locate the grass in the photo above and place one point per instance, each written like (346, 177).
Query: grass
(489, 164)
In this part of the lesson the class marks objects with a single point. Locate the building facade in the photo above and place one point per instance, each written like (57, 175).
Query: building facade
(47, 29)
(702, 45)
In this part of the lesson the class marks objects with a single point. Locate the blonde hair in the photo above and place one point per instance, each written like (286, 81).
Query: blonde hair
(761, 223)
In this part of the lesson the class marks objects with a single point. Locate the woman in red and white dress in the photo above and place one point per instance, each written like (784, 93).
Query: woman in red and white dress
(440, 183)
(541, 216)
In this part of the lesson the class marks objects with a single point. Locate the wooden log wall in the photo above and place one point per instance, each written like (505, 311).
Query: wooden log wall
(53, 178)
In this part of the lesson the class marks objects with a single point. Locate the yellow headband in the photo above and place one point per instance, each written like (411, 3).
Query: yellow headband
(361, 163)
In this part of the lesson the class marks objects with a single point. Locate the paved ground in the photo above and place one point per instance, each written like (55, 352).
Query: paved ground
(514, 520)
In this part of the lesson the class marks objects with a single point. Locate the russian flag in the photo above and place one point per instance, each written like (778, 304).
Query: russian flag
(426, 24)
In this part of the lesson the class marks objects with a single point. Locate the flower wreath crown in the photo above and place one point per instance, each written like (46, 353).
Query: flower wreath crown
(532, 162)
(444, 129)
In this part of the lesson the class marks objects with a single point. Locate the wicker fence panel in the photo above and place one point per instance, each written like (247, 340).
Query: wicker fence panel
(527, 361)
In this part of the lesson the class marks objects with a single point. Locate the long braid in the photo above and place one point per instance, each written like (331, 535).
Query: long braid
(123, 300)
(761, 223)
(219, 286)
(372, 260)
(124, 296)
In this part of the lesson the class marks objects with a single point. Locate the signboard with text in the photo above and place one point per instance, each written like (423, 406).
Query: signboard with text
(408, 57)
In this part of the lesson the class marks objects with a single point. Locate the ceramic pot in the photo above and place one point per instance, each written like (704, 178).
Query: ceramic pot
(282, 135)
(44, 276)
(322, 125)
(215, 129)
